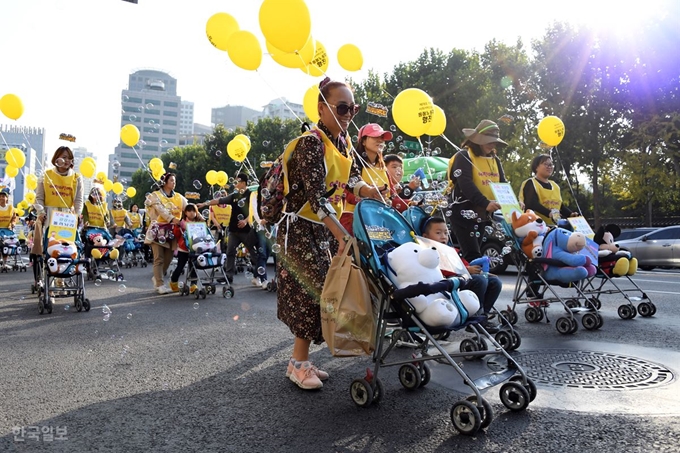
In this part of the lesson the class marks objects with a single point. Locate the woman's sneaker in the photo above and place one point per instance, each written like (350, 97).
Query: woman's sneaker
(305, 376)
(320, 373)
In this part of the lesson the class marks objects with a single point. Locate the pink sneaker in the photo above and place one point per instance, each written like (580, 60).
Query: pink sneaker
(304, 376)
(321, 374)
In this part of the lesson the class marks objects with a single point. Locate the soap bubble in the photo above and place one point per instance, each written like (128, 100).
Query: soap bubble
(197, 184)
(261, 270)
(276, 248)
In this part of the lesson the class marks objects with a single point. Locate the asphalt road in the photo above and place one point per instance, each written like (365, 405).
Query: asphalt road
(171, 373)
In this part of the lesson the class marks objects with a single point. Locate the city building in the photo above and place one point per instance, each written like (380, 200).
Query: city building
(151, 103)
(80, 153)
(197, 137)
(30, 140)
(233, 116)
(283, 109)
(186, 120)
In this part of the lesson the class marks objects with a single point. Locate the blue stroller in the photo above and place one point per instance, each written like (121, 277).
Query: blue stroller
(103, 253)
(379, 229)
(132, 254)
(63, 269)
(205, 264)
(11, 249)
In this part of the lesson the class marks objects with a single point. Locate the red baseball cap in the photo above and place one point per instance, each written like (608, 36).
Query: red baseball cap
(374, 130)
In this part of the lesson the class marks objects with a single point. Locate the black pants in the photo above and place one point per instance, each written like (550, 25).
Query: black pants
(250, 240)
(465, 232)
(182, 259)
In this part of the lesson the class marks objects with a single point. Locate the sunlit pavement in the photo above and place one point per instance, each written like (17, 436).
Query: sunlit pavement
(172, 373)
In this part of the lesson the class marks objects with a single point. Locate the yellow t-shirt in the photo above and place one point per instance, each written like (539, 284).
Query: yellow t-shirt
(60, 191)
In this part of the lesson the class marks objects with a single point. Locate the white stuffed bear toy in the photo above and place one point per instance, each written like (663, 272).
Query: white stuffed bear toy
(412, 263)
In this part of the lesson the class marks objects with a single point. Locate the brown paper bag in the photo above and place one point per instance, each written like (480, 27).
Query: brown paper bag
(348, 323)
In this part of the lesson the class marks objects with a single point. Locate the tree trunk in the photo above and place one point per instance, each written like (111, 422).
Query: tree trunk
(596, 196)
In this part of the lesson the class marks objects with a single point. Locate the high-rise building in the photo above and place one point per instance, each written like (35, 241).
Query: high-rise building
(283, 109)
(233, 116)
(151, 103)
(186, 120)
(31, 141)
(80, 153)
(200, 131)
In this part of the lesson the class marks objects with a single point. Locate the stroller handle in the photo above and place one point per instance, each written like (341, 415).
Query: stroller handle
(425, 289)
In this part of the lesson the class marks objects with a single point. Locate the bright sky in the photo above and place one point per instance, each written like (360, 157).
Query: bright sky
(68, 60)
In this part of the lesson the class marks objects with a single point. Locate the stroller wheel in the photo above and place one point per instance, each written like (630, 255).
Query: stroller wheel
(653, 309)
(644, 309)
(41, 305)
(572, 303)
(505, 339)
(594, 302)
(563, 325)
(361, 392)
(86, 304)
(425, 374)
(466, 417)
(77, 301)
(514, 396)
(590, 321)
(469, 345)
(626, 311)
(516, 340)
(409, 376)
(511, 316)
(530, 387)
(203, 294)
(531, 314)
(227, 293)
(485, 410)
(378, 391)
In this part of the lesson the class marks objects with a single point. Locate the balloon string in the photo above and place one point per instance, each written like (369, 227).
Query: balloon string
(281, 98)
(571, 189)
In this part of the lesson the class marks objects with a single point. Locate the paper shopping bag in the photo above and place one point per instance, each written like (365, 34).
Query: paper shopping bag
(348, 322)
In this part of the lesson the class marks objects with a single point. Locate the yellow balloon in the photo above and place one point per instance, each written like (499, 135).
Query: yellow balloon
(297, 59)
(101, 176)
(30, 197)
(350, 58)
(222, 178)
(11, 106)
(129, 134)
(155, 164)
(319, 64)
(551, 130)
(15, 157)
(245, 139)
(20, 212)
(158, 173)
(438, 124)
(131, 192)
(87, 168)
(236, 150)
(31, 182)
(11, 171)
(285, 23)
(310, 103)
(23, 204)
(211, 177)
(117, 188)
(244, 50)
(90, 159)
(412, 111)
(219, 29)
(108, 185)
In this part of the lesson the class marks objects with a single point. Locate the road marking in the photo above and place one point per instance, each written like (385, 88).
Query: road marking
(662, 292)
(655, 281)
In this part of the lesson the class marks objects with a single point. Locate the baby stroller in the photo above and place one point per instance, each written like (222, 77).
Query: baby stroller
(378, 230)
(508, 337)
(132, 254)
(62, 268)
(103, 253)
(11, 248)
(532, 286)
(205, 264)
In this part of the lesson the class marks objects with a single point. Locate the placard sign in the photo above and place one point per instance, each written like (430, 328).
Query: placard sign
(63, 225)
(507, 199)
(581, 225)
(195, 230)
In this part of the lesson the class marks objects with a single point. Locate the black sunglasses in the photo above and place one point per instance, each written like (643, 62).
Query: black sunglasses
(344, 109)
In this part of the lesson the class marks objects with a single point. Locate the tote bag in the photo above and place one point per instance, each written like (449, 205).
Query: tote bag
(348, 322)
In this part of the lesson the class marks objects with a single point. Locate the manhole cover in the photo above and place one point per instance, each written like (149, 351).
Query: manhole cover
(588, 369)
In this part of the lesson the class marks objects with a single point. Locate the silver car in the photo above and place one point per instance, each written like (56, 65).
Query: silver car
(660, 248)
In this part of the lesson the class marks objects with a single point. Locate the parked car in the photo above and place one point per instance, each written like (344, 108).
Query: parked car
(660, 248)
(634, 233)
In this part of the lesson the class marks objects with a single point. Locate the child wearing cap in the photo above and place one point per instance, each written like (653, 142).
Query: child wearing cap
(368, 156)
(8, 217)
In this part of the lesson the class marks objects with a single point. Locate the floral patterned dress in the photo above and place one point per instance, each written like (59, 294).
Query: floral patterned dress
(305, 257)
